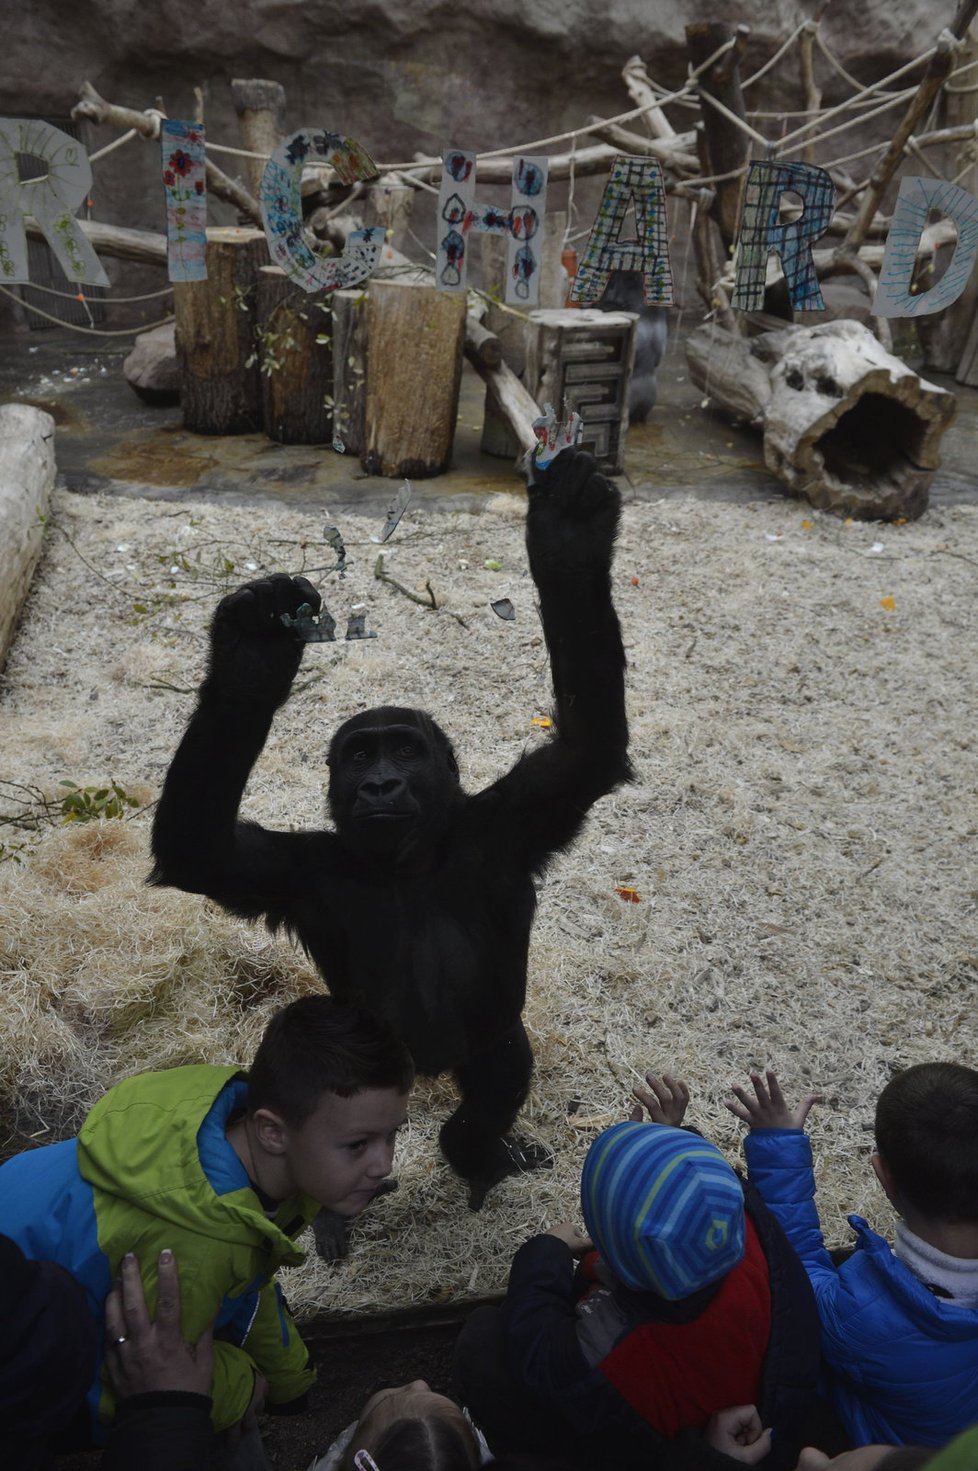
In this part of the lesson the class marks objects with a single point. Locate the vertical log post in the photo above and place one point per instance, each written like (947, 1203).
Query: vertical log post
(349, 367)
(215, 323)
(295, 366)
(943, 336)
(414, 370)
(260, 106)
(728, 147)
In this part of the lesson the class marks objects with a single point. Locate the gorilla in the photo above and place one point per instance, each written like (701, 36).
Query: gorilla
(418, 903)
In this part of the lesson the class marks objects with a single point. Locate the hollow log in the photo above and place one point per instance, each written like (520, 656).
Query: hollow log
(845, 423)
(295, 367)
(414, 371)
(215, 321)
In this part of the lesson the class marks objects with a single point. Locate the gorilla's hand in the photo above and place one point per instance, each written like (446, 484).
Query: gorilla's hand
(254, 654)
(572, 517)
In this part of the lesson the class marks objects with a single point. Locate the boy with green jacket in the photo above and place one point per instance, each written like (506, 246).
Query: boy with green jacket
(225, 1170)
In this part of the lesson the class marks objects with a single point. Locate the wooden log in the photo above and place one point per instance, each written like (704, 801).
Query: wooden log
(27, 471)
(215, 320)
(728, 146)
(643, 94)
(667, 151)
(295, 360)
(95, 109)
(943, 335)
(845, 423)
(260, 106)
(512, 406)
(414, 370)
(349, 367)
(144, 246)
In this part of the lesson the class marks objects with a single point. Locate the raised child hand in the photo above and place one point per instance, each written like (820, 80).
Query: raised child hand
(666, 1099)
(767, 1109)
(738, 1433)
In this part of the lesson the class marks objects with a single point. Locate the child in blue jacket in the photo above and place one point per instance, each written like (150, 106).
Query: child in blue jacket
(900, 1324)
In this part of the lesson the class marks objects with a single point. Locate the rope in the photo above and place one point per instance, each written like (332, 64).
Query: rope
(102, 300)
(88, 331)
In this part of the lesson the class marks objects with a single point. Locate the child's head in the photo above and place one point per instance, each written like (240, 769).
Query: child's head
(927, 1138)
(663, 1207)
(410, 1428)
(327, 1093)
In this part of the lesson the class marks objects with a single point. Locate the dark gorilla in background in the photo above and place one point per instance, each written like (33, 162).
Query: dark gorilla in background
(419, 904)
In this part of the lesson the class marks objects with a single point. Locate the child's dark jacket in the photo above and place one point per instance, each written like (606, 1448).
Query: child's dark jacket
(593, 1370)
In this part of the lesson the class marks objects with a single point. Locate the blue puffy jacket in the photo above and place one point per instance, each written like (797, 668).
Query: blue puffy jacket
(901, 1364)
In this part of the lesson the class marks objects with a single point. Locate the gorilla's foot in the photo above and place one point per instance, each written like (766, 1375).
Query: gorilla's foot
(330, 1228)
(513, 1155)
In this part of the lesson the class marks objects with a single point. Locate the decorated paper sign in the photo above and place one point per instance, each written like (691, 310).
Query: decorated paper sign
(634, 183)
(762, 232)
(459, 214)
(281, 209)
(554, 436)
(914, 201)
(185, 194)
(52, 199)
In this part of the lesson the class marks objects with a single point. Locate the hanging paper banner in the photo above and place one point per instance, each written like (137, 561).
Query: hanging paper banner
(52, 199)
(761, 232)
(456, 203)
(185, 193)
(917, 197)
(459, 214)
(636, 183)
(527, 210)
(280, 198)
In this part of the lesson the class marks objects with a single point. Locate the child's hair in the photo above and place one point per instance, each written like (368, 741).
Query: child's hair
(927, 1134)
(423, 1444)
(318, 1045)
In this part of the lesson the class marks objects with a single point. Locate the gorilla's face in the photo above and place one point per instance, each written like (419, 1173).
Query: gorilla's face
(392, 782)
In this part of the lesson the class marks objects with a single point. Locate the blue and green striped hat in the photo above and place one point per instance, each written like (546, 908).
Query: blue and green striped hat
(663, 1207)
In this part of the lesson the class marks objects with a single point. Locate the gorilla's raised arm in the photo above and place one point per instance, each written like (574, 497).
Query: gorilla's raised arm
(198, 842)
(571, 525)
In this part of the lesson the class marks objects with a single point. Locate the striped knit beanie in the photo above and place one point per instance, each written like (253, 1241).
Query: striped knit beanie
(663, 1207)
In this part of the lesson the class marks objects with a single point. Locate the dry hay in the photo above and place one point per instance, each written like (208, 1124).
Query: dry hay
(801, 833)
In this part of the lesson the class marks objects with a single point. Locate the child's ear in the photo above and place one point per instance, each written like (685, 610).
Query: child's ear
(269, 1130)
(882, 1172)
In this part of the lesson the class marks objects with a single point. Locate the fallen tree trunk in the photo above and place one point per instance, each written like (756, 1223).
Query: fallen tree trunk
(845, 423)
(504, 391)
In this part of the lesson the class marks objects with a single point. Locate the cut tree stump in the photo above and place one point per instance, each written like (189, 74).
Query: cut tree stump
(27, 472)
(215, 320)
(295, 367)
(414, 370)
(845, 423)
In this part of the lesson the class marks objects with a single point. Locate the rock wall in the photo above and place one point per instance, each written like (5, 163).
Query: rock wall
(403, 75)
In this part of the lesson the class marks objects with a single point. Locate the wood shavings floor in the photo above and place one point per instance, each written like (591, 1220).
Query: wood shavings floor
(802, 833)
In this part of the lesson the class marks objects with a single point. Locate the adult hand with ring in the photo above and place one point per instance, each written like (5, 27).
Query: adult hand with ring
(156, 1356)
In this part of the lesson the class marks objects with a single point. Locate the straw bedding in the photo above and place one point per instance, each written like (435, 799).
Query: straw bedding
(801, 836)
